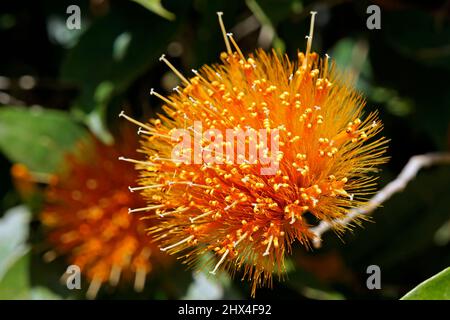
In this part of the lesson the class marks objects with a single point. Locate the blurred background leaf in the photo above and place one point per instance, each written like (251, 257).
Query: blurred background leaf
(156, 7)
(110, 55)
(37, 138)
(15, 285)
(15, 258)
(13, 237)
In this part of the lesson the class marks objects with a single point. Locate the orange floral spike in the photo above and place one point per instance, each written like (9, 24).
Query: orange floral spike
(86, 217)
(211, 192)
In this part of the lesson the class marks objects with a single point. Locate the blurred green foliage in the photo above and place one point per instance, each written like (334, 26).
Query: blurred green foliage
(37, 137)
(81, 79)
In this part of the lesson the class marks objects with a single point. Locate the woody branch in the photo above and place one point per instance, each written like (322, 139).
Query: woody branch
(408, 173)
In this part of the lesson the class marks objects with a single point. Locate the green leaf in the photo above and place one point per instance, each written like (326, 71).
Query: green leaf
(15, 285)
(13, 236)
(156, 7)
(277, 10)
(416, 40)
(266, 22)
(435, 288)
(310, 286)
(15, 258)
(419, 35)
(420, 209)
(37, 138)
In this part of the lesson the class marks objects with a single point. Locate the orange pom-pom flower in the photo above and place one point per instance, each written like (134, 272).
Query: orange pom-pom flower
(245, 149)
(86, 217)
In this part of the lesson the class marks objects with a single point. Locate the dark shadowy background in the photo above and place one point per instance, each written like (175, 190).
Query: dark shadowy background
(112, 62)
